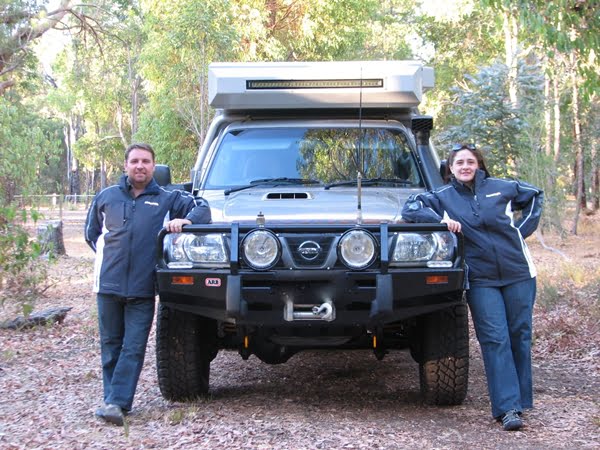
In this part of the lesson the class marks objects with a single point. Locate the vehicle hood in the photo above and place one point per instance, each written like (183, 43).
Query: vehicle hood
(307, 204)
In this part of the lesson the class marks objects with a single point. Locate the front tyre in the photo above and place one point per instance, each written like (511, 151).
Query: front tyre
(185, 346)
(444, 356)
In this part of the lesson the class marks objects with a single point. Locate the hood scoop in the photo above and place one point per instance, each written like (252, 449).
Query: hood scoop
(287, 196)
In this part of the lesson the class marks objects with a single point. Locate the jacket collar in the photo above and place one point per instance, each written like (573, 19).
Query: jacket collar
(151, 189)
(480, 177)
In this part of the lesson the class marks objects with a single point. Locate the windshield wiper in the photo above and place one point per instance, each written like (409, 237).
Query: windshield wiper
(271, 182)
(370, 182)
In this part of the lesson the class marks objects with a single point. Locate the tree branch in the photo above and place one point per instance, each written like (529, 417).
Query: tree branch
(4, 85)
(540, 238)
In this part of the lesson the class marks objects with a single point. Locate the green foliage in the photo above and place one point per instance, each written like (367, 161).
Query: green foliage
(561, 27)
(28, 146)
(22, 271)
(13, 15)
(183, 37)
(482, 113)
(331, 30)
(144, 75)
(168, 134)
(94, 150)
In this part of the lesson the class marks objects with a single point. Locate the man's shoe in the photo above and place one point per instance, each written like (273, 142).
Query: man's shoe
(511, 420)
(111, 414)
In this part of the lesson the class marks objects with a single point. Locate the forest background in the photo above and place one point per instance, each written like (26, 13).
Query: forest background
(80, 82)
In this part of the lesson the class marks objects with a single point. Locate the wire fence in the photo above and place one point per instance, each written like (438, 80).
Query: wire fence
(55, 201)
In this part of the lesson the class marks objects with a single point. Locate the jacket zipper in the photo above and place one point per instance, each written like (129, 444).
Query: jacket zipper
(130, 234)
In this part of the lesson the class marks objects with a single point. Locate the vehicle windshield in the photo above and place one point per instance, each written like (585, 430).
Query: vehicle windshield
(321, 155)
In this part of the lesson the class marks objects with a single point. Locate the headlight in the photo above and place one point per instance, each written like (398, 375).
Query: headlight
(184, 250)
(261, 249)
(357, 249)
(430, 249)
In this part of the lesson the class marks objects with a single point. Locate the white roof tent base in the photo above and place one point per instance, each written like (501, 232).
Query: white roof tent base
(316, 85)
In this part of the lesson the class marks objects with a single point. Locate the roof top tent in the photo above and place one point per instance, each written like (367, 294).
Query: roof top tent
(318, 85)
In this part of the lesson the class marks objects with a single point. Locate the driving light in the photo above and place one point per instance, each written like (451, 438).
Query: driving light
(357, 249)
(261, 249)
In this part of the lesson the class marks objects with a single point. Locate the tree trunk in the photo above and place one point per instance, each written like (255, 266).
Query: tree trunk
(556, 119)
(50, 237)
(119, 118)
(549, 101)
(102, 172)
(511, 43)
(580, 198)
(76, 130)
(135, 83)
(548, 114)
(595, 183)
(203, 96)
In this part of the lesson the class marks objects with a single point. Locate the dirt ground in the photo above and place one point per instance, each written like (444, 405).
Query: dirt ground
(50, 384)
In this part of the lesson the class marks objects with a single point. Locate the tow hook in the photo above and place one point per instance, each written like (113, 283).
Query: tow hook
(324, 312)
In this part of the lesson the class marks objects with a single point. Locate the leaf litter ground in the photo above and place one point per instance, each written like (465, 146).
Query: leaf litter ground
(50, 380)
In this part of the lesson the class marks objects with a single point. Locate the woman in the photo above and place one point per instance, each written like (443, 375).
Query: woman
(501, 273)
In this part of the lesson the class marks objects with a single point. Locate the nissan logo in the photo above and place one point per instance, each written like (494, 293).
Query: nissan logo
(309, 250)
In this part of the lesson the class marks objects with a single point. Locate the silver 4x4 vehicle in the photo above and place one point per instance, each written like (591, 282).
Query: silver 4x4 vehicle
(306, 167)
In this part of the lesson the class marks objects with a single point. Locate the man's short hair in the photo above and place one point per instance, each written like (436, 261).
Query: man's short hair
(139, 146)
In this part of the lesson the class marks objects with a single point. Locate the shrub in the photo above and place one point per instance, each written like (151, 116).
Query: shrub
(23, 271)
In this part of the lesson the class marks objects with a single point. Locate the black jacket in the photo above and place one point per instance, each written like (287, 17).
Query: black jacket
(495, 248)
(123, 231)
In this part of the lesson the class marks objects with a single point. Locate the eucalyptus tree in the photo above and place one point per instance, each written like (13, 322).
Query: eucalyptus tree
(485, 114)
(183, 36)
(317, 30)
(29, 156)
(566, 30)
(23, 21)
(458, 37)
(99, 91)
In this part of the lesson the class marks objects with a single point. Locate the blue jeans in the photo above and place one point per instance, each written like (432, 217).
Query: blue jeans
(502, 317)
(124, 328)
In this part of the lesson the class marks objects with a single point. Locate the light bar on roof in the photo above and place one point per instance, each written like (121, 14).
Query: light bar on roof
(313, 84)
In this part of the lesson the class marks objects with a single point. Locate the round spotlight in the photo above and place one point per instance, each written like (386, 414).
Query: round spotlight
(357, 249)
(261, 249)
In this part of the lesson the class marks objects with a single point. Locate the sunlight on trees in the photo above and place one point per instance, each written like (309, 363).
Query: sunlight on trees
(136, 70)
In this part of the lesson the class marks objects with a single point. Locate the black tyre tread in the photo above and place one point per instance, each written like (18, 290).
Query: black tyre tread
(444, 369)
(185, 346)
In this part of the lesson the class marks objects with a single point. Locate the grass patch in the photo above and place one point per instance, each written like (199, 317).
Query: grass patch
(182, 413)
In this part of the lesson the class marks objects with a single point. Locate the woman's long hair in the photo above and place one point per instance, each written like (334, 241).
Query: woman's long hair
(452, 155)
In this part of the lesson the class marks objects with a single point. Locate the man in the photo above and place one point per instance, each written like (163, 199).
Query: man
(121, 227)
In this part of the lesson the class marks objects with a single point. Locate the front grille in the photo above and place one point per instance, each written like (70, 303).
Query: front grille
(309, 250)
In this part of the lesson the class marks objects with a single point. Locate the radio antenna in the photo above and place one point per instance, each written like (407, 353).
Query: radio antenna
(360, 156)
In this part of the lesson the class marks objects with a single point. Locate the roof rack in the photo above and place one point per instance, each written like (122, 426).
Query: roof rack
(318, 85)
